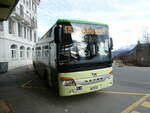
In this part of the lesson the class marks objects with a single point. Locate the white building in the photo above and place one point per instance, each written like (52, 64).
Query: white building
(19, 34)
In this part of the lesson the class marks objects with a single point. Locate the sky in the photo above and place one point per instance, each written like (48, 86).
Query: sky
(126, 18)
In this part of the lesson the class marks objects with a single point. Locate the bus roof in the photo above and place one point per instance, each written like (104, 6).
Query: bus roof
(81, 21)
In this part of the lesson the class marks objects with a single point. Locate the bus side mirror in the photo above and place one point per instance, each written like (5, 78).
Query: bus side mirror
(56, 34)
(111, 43)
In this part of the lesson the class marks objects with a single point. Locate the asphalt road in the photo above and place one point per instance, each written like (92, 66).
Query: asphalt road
(28, 94)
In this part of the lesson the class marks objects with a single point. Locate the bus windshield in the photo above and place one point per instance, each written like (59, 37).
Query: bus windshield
(83, 44)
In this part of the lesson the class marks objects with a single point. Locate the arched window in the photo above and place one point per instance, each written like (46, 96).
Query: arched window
(22, 52)
(28, 52)
(13, 49)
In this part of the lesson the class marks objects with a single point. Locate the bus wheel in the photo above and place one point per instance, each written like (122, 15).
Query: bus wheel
(34, 66)
(46, 79)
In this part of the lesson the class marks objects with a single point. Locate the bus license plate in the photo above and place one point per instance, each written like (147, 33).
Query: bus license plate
(94, 87)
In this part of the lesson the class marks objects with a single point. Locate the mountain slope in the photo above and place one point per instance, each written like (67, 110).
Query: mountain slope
(124, 49)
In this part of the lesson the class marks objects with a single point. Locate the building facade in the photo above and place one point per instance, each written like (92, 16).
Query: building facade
(18, 34)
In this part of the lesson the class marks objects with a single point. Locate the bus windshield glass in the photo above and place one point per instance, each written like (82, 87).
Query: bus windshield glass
(83, 44)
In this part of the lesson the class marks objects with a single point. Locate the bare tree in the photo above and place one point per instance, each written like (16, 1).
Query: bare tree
(146, 35)
(144, 52)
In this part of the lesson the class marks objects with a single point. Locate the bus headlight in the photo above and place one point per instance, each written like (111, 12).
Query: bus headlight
(67, 81)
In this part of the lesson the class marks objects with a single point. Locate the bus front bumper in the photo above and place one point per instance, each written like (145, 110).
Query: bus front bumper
(81, 89)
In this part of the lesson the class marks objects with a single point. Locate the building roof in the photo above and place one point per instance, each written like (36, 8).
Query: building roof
(81, 21)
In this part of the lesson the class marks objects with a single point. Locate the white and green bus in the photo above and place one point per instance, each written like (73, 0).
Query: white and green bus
(75, 57)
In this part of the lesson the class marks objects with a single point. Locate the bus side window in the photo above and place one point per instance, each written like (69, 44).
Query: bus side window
(46, 51)
(43, 56)
(50, 33)
(38, 52)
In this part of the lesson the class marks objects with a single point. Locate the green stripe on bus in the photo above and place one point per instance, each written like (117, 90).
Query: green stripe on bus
(81, 21)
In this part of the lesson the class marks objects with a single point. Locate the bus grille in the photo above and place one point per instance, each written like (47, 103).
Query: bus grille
(93, 79)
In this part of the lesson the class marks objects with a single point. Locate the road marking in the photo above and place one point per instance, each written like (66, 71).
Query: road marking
(135, 112)
(127, 110)
(134, 105)
(39, 87)
(146, 104)
(25, 84)
(124, 93)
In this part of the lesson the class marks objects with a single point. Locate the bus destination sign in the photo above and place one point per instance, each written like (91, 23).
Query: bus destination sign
(96, 31)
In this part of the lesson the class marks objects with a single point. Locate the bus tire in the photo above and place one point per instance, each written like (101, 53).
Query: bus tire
(46, 78)
(35, 69)
(34, 66)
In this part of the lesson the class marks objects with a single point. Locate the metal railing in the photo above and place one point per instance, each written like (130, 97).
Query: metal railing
(27, 19)
(19, 13)
(33, 23)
